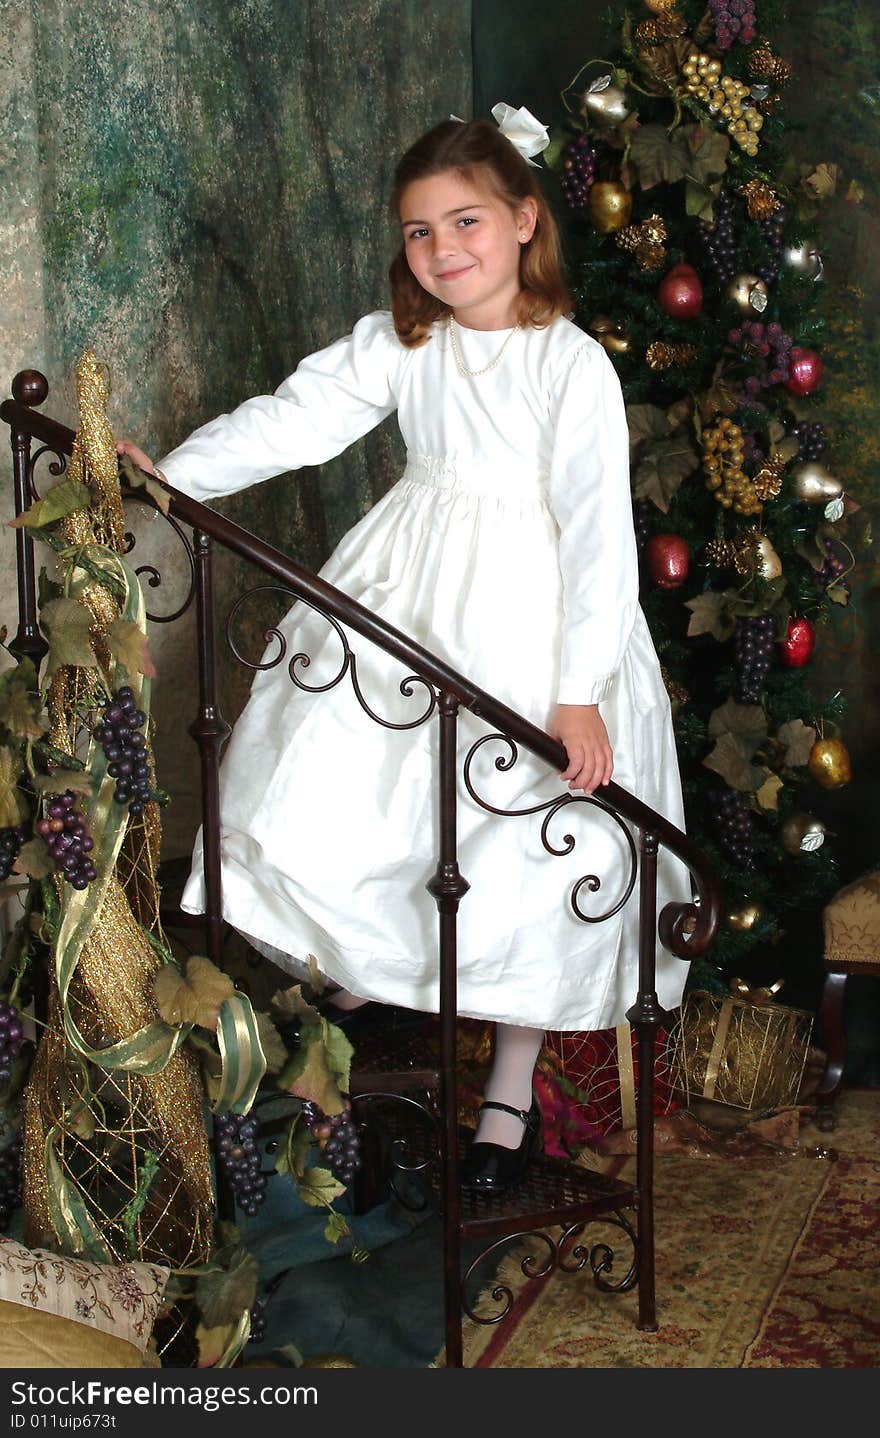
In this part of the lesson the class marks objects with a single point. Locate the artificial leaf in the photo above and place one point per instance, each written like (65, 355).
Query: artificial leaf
(221, 1297)
(61, 499)
(292, 1156)
(837, 594)
(747, 721)
(663, 466)
(710, 614)
(722, 397)
(822, 183)
(272, 1044)
(138, 478)
(709, 150)
(67, 623)
(798, 739)
(128, 644)
(12, 802)
(679, 413)
(659, 157)
(699, 201)
(645, 422)
(834, 510)
(195, 997)
(20, 707)
(768, 794)
(731, 759)
(34, 860)
(316, 978)
(318, 1187)
(308, 1073)
(553, 153)
(214, 1342)
(339, 1052)
(78, 781)
(336, 1228)
(855, 193)
(290, 1004)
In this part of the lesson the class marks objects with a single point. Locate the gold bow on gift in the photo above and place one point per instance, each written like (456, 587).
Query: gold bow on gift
(760, 995)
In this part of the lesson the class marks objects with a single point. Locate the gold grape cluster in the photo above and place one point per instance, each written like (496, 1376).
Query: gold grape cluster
(723, 450)
(722, 95)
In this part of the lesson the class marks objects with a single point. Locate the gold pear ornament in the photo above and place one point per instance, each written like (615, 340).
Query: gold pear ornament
(605, 102)
(611, 335)
(814, 484)
(802, 834)
(749, 293)
(829, 763)
(610, 206)
(745, 918)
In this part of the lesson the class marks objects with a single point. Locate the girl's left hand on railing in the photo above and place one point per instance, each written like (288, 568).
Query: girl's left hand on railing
(581, 729)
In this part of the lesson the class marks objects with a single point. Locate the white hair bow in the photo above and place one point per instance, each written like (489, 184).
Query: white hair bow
(521, 128)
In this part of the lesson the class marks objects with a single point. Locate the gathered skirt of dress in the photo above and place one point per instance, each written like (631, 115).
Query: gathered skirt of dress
(330, 820)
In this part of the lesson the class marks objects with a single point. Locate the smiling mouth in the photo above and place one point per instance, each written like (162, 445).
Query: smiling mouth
(454, 274)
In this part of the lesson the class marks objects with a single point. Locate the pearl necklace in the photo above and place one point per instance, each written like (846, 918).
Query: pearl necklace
(459, 360)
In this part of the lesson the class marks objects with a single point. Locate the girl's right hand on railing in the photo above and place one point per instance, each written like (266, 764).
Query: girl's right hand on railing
(137, 456)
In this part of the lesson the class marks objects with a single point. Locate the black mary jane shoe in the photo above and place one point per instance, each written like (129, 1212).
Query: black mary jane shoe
(491, 1168)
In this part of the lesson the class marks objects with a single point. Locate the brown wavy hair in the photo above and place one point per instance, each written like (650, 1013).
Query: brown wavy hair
(477, 150)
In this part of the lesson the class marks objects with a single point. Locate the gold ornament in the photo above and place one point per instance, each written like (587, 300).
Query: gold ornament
(723, 96)
(758, 994)
(662, 356)
(804, 259)
(745, 551)
(749, 294)
(645, 241)
(723, 449)
(604, 103)
(768, 480)
(610, 206)
(829, 763)
(814, 484)
(660, 7)
(766, 67)
(767, 562)
(743, 919)
(721, 553)
(611, 335)
(761, 200)
(667, 26)
(802, 834)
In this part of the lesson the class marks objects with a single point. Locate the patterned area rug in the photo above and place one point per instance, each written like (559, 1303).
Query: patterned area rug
(768, 1260)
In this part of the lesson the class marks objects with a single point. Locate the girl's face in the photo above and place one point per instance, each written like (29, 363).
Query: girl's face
(463, 245)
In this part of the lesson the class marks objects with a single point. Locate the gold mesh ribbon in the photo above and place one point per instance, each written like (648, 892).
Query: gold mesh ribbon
(623, 1037)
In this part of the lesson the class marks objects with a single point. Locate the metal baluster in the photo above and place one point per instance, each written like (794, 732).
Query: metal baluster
(646, 1014)
(30, 388)
(210, 732)
(449, 888)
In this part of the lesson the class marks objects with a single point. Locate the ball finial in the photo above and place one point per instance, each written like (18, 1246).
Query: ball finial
(30, 387)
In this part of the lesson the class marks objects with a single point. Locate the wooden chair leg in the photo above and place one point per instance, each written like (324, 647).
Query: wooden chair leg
(834, 1034)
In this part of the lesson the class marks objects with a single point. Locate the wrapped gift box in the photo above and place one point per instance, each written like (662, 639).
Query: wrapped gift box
(740, 1052)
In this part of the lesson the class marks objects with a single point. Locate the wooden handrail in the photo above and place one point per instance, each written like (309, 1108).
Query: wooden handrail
(687, 930)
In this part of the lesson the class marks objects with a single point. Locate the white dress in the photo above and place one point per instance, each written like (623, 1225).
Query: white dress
(507, 549)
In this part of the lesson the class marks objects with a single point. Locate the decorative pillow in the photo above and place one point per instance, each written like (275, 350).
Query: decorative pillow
(852, 923)
(100, 1299)
(30, 1338)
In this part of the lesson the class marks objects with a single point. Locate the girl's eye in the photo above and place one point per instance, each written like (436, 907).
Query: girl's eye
(414, 234)
(468, 220)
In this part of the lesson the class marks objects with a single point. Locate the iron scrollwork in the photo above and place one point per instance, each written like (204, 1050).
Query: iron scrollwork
(532, 1265)
(57, 468)
(575, 1256)
(154, 578)
(301, 661)
(552, 808)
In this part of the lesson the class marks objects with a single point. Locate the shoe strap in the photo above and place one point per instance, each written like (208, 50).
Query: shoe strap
(520, 1113)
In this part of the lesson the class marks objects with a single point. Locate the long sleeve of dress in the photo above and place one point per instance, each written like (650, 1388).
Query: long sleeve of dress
(335, 396)
(590, 499)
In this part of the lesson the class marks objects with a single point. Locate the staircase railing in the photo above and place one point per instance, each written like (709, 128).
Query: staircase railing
(685, 929)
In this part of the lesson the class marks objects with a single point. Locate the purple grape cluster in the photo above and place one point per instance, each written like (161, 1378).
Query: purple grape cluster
(10, 1181)
(258, 1322)
(773, 228)
(753, 641)
(238, 1154)
(11, 1037)
(718, 238)
(579, 171)
(733, 820)
(11, 841)
(338, 1138)
(641, 522)
(810, 435)
(125, 747)
(65, 834)
(832, 568)
(734, 20)
(753, 455)
(770, 343)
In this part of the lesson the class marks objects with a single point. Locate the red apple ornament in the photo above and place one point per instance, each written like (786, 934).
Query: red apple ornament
(681, 294)
(668, 560)
(797, 646)
(806, 371)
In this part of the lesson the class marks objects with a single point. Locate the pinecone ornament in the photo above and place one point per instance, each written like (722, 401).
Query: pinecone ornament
(762, 200)
(721, 553)
(768, 480)
(662, 356)
(668, 26)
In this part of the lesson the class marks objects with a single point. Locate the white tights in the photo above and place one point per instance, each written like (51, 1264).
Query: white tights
(510, 1081)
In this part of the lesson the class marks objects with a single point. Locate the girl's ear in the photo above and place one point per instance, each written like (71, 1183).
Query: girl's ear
(527, 218)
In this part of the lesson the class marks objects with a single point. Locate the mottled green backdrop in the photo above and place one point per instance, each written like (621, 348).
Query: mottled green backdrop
(199, 193)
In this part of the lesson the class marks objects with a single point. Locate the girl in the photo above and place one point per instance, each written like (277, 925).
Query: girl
(507, 548)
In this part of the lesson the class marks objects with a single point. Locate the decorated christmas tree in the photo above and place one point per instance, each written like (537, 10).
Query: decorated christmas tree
(696, 264)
